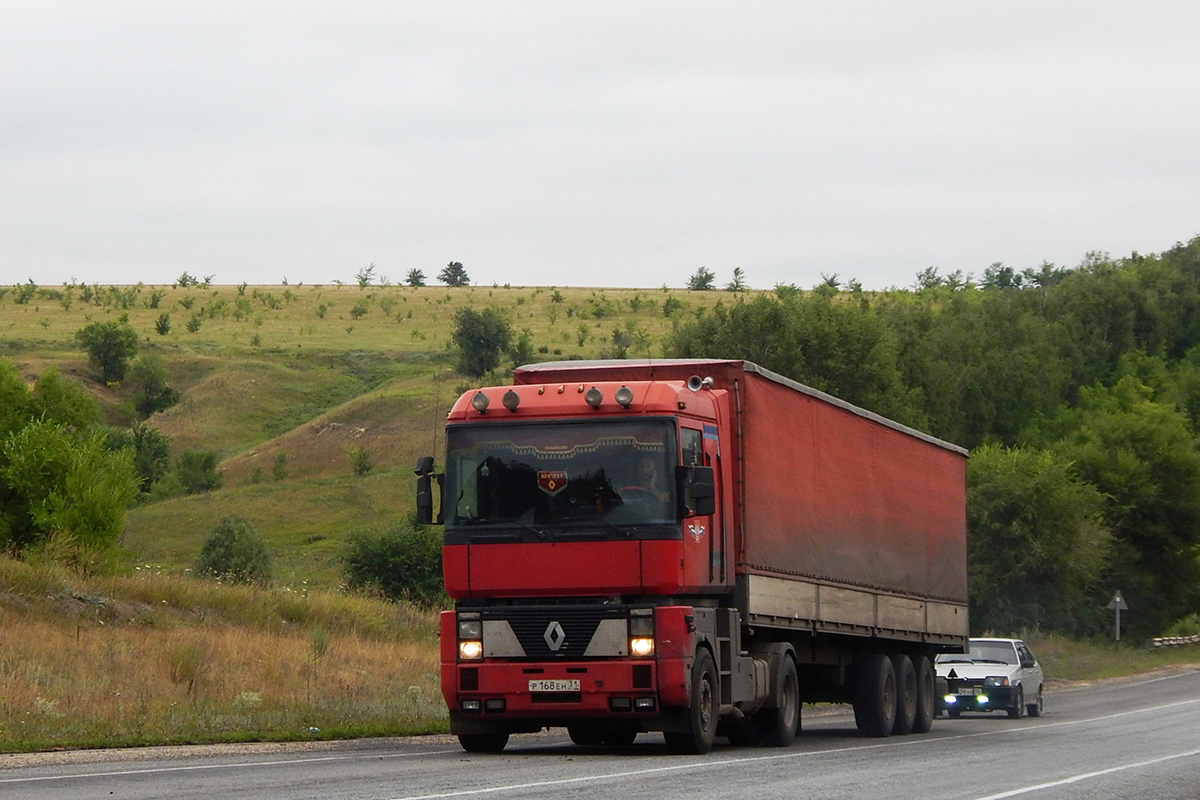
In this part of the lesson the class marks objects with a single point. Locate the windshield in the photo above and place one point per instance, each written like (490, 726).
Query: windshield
(1000, 652)
(533, 475)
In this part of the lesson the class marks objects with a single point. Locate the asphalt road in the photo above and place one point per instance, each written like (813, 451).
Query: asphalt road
(1136, 737)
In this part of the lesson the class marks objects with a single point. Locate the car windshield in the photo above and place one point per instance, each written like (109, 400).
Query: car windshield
(995, 652)
(535, 476)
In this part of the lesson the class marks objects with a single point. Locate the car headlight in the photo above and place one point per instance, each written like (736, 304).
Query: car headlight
(996, 680)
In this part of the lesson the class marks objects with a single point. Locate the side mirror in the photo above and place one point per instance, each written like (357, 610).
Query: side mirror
(425, 479)
(697, 491)
(424, 500)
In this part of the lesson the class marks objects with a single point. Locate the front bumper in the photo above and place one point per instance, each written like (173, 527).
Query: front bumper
(976, 697)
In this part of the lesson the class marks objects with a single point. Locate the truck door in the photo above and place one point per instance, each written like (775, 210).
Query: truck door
(704, 544)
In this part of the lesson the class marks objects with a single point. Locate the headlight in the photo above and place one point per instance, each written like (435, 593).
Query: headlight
(641, 646)
(470, 639)
(641, 634)
(996, 680)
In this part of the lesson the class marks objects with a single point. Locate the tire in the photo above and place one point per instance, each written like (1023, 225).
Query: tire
(906, 695)
(742, 734)
(702, 713)
(777, 727)
(619, 735)
(585, 735)
(1035, 709)
(597, 733)
(927, 699)
(483, 742)
(1018, 709)
(875, 696)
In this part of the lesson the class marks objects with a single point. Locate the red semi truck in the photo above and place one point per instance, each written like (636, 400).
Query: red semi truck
(694, 547)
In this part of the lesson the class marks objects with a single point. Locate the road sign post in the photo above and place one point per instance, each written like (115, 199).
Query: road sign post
(1118, 605)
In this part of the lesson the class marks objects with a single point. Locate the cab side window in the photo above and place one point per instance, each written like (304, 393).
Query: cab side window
(693, 447)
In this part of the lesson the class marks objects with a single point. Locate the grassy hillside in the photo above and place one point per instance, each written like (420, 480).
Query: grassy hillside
(309, 372)
(153, 658)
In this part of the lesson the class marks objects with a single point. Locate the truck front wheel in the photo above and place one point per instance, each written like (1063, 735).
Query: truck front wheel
(702, 714)
(875, 696)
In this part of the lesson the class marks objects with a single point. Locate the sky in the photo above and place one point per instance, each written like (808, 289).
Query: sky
(608, 144)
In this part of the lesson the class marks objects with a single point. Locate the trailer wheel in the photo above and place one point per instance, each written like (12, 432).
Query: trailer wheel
(906, 694)
(702, 715)
(927, 700)
(777, 727)
(483, 742)
(875, 696)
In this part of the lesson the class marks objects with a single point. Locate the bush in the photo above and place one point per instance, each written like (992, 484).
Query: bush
(360, 461)
(197, 471)
(403, 562)
(110, 345)
(234, 551)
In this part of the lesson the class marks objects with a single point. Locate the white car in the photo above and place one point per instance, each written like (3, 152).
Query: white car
(994, 674)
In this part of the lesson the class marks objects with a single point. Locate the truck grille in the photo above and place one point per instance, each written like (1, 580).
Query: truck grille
(578, 626)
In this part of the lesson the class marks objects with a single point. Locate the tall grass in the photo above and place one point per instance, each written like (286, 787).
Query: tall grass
(147, 659)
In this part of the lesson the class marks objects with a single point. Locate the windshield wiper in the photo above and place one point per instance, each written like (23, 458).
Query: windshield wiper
(538, 532)
(510, 536)
(626, 532)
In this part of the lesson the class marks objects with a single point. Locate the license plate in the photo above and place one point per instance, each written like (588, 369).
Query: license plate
(554, 686)
(969, 690)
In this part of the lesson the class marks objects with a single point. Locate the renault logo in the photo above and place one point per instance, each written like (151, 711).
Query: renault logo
(554, 636)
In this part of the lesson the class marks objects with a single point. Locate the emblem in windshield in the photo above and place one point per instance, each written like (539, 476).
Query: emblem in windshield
(552, 481)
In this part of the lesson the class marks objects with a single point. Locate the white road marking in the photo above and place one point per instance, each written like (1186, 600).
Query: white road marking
(1086, 775)
(200, 767)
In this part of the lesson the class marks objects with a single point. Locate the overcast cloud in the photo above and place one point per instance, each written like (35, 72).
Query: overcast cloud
(591, 144)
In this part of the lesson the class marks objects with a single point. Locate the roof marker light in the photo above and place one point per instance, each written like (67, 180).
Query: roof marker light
(480, 402)
(624, 397)
(593, 397)
(511, 400)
